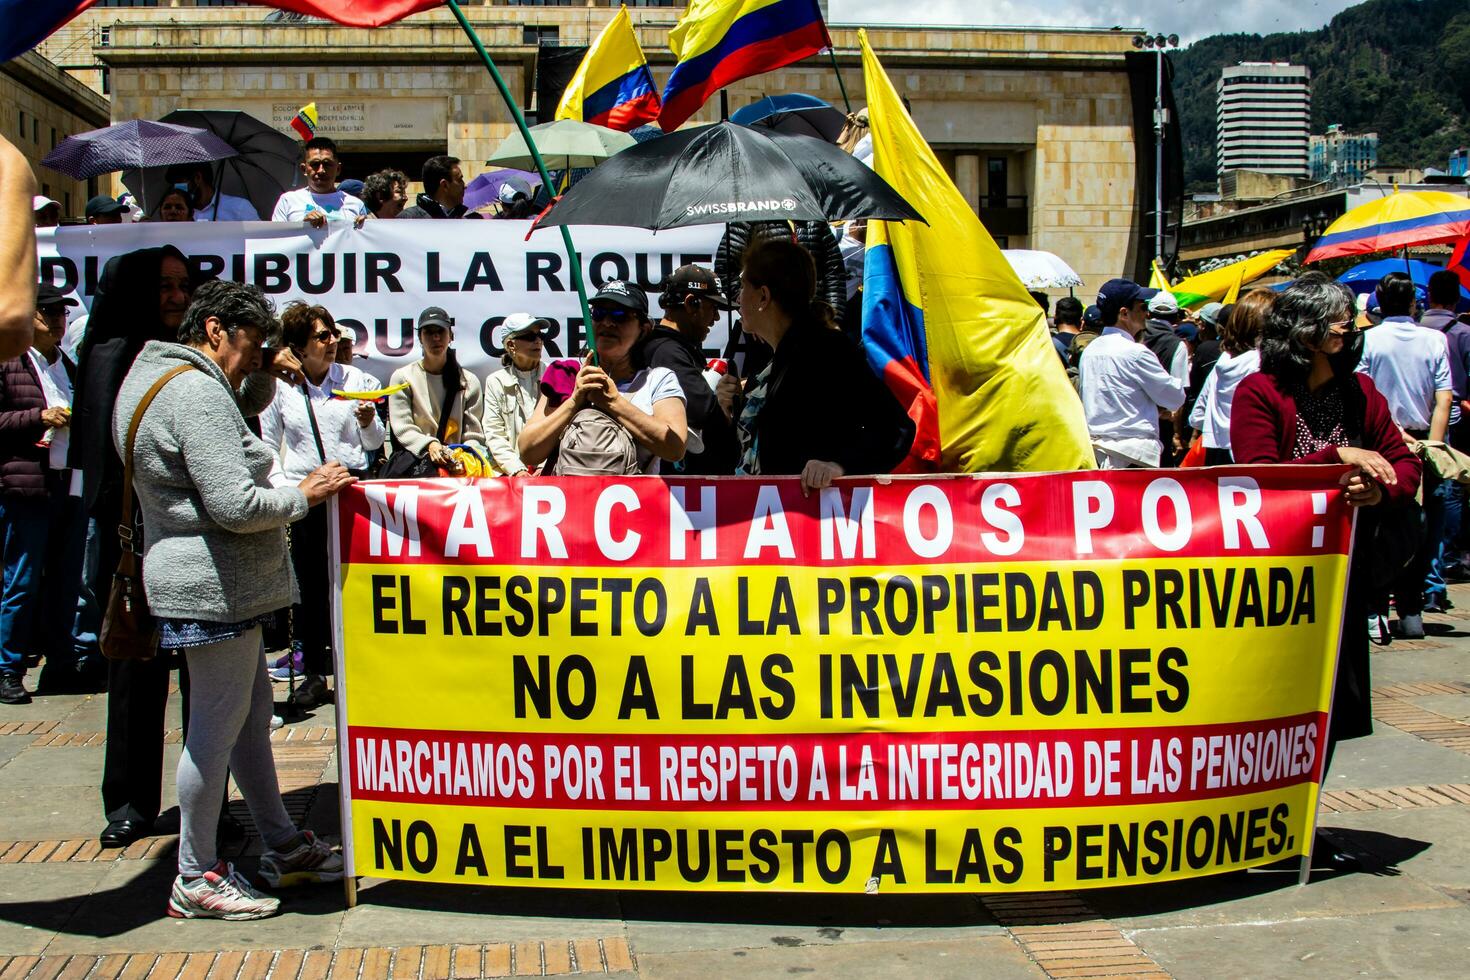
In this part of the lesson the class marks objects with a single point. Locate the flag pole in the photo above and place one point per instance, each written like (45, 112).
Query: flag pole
(520, 119)
(832, 53)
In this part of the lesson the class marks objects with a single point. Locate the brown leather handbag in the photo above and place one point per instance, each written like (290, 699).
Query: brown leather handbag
(129, 631)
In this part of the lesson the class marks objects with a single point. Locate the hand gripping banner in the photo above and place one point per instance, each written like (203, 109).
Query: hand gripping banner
(898, 685)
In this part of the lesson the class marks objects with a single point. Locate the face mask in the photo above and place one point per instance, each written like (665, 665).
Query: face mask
(1345, 361)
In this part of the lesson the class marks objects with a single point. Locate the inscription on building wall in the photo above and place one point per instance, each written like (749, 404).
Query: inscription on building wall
(390, 119)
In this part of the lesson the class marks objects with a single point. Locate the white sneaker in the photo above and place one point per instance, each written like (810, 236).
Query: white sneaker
(311, 861)
(277, 722)
(1378, 629)
(220, 893)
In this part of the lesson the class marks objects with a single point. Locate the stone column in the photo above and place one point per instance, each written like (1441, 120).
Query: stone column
(967, 178)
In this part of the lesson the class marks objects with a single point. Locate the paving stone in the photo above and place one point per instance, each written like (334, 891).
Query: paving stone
(1423, 944)
(996, 958)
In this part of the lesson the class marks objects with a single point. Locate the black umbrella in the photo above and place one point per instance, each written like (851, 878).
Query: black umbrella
(132, 144)
(795, 114)
(267, 161)
(726, 172)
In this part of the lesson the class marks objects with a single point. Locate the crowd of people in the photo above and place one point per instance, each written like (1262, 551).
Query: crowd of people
(238, 423)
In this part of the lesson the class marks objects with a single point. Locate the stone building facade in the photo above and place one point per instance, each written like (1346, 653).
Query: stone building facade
(40, 105)
(1035, 125)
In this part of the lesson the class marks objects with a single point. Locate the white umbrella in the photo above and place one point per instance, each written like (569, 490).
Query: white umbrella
(1041, 270)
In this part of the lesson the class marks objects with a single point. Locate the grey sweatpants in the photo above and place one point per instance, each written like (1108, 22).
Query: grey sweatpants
(229, 733)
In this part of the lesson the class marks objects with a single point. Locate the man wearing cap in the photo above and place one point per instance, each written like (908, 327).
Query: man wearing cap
(1160, 336)
(1124, 386)
(104, 210)
(443, 195)
(511, 392)
(46, 211)
(42, 526)
(692, 300)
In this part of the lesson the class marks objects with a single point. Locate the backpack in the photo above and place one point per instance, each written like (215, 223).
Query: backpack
(595, 444)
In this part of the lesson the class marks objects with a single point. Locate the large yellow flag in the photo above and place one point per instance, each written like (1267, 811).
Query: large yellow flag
(948, 325)
(1222, 285)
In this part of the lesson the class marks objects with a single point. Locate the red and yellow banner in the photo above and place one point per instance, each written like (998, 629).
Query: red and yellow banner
(903, 684)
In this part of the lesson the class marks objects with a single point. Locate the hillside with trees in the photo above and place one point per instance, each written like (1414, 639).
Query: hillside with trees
(1400, 68)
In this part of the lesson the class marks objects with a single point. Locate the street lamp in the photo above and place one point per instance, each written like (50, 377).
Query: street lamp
(1157, 43)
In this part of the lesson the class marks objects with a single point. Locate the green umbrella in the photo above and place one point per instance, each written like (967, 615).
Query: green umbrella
(565, 143)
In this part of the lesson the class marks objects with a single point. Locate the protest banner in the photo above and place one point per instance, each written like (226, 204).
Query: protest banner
(377, 278)
(1022, 682)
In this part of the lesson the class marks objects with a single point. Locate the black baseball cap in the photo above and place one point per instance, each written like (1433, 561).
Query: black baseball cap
(435, 317)
(624, 294)
(693, 280)
(102, 204)
(1118, 294)
(49, 295)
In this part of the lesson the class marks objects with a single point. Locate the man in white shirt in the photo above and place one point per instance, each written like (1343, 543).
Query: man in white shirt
(208, 201)
(320, 200)
(1124, 386)
(1410, 365)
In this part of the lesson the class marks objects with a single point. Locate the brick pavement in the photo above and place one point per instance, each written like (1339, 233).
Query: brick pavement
(1400, 799)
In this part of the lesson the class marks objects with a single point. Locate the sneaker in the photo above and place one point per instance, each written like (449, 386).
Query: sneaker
(13, 690)
(220, 893)
(311, 861)
(1411, 627)
(289, 664)
(1378, 630)
(277, 722)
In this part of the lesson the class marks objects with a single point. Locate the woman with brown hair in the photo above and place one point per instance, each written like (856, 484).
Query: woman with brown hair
(1239, 357)
(816, 410)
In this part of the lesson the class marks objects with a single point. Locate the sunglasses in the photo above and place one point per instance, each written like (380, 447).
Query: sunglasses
(319, 164)
(324, 336)
(614, 315)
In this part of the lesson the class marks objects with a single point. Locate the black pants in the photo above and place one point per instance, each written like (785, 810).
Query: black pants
(311, 619)
(137, 694)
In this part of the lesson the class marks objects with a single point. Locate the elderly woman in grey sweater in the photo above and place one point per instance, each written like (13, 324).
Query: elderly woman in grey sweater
(215, 565)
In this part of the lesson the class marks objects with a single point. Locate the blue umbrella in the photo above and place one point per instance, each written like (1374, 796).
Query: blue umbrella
(135, 143)
(794, 113)
(1364, 278)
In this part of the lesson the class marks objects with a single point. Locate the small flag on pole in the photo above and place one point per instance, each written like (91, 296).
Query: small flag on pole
(613, 86)
(305, 121)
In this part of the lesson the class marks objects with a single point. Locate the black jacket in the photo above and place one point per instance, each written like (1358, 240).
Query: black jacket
(666, 347)
(814, 236)
(824, 402)
(1160, 338)
(427, 207)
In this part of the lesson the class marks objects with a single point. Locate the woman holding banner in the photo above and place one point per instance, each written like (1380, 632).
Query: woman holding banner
(1308, 405)
(308, 426)
(816, 410)
(441, 406)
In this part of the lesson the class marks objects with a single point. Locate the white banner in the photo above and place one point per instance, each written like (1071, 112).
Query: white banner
(377, 278)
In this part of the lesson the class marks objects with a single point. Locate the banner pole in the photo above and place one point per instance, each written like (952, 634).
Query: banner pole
(520, 119)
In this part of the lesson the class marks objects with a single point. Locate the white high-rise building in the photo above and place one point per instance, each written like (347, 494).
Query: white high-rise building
(1263, 117)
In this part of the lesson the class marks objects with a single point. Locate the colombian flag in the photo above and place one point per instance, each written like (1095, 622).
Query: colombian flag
(29, 22)
(305, 121)
(613, 86)
(950, 328)
(722, 41)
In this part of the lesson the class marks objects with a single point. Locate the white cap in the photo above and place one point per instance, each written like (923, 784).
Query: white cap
(1163, 302)
(514, 324)
(41, 201)
(514, 189)
(347, 334)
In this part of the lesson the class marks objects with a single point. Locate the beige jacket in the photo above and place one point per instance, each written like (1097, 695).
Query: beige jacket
(508, 404)
(413, 414)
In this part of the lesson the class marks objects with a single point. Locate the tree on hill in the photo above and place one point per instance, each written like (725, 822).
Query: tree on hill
(1400, 68)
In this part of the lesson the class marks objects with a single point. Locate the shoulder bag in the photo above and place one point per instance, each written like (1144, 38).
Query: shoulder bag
(129, 631)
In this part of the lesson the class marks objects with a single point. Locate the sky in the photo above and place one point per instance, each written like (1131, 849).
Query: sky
(1190, 19)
